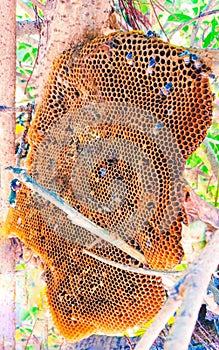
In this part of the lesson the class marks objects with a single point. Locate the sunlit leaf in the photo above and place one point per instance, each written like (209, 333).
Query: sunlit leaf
(179, 17)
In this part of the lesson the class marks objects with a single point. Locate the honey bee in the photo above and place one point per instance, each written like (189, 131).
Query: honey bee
(129, 59)
(15, 185)
(151, 66)
(196, 61)
(150, 33)
(166, 89)
(186, 56)
(190, 57)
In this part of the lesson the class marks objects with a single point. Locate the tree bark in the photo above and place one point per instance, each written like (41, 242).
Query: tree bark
(68, 22)
(7, 152)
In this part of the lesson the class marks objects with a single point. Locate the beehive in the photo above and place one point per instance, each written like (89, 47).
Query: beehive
(119, 117)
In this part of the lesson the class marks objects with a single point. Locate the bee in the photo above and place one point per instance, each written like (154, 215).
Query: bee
(151, 66)
(15, 185)
(103, 172)
(166, 89)
(212, 76)
(157, 128)
(196, 61)
(150, 33)
(186, 56)
(129, 59)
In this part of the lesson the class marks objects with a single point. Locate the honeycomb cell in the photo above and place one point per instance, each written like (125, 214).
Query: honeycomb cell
(119, 117)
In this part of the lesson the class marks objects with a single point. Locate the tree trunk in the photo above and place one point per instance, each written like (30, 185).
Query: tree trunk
(7, 151)
(68, 23)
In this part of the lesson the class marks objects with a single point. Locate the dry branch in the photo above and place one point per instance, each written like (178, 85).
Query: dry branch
(77, 218)
(26, 28)
(38, 4)
(201, 210)
(139, 270)
(212, 157)
(188, 292)
(193, 289)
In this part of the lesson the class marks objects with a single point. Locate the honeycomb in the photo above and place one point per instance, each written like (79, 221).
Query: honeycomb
(119, 117)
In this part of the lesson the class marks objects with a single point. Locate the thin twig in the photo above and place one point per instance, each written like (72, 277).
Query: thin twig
(192, 287)
(129, 268)
(26, 28)
(76, 217)
(211, 157)
(204, 14)
(197, 25)
(157, 18)
(16, 109)
(38, 4)
(202, 210)
(129, 342)
(30, 335)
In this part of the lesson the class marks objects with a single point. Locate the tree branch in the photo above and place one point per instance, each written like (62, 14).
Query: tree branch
(26, 28)
(212, 157)
(202, 210)
(77, 218)
(192, 287)
(204, 14)
(197, 25)
(38, 4)
(139, 270)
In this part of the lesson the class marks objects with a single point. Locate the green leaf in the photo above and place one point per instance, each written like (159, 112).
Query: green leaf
(196, 11)
(26, 57)
(26, 315)
(29, 330)
(35, 310)
(20, 267)
(204, 169)
(22, 330)
(144, 9)
(194, 160)
(207, 40)
(22, 71)
(178, 17)
(185, 29)
(22, 45)
(34, 51)
(181, 267)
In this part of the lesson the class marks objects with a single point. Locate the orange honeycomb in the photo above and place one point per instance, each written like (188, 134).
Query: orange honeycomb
(119, 117)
